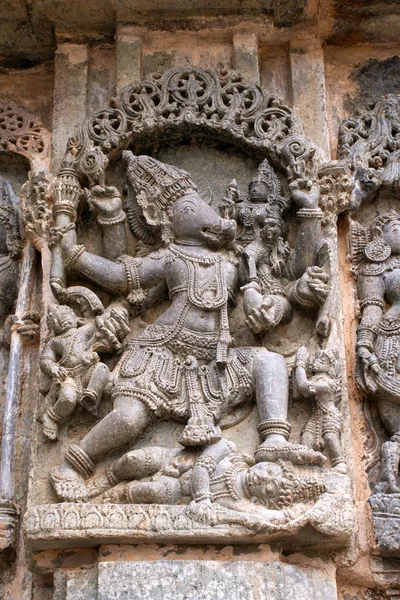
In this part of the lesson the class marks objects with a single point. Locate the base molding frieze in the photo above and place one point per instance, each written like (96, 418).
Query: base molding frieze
(194, 579)
(328, 523)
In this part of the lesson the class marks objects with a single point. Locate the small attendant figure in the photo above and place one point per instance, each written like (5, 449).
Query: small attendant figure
(325, 423)
(71, 361)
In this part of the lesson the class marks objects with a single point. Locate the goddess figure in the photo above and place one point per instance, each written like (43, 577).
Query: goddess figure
(377, 252)
(183, 367)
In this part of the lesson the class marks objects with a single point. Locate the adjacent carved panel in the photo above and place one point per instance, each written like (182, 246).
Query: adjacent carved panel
(370, 144)
(21, 132)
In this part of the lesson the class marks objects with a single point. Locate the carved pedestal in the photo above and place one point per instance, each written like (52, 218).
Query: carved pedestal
(179, 580)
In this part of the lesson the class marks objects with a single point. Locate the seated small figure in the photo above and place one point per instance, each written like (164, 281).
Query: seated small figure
(71, 361)
(325, 423)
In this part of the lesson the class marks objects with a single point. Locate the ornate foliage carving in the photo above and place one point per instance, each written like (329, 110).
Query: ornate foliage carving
(185, 99)
(21, 132)
(370, 144)
(64, 524)
(37, 196)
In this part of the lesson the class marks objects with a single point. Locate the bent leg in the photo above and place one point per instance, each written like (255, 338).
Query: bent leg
(137, 464)
(67, 399)
(91, 396)
(62, 409)
(166, 490)
(120, 427)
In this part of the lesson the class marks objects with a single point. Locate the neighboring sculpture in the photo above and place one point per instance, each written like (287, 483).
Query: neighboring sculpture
(376, 254)
(369, 143)
(10, 248)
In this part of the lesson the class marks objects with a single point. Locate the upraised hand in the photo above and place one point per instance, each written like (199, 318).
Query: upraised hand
(305, 192)
(105, 201)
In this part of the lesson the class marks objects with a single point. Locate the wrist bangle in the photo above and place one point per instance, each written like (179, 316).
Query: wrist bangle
(120, 218)
(252, 285)
(300, 300)
(73, 256)
(309, 213)
(300, 364)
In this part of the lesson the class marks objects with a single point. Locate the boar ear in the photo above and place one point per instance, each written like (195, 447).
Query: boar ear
(152, 215)
(150, 210)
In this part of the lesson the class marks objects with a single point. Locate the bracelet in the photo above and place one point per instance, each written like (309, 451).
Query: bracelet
(300, 364)
(113, 220)
(300, 300)
(372, 302)
(366, 337)
(310, 213)
(66, 208)
(74, 256)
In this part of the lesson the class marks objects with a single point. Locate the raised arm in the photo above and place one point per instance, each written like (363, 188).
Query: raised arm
(305, 194)
(105, 202)
(124, 277)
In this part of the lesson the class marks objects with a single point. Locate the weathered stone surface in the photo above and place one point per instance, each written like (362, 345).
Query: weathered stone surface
(197, 580)
(69, 525)
(386, 522)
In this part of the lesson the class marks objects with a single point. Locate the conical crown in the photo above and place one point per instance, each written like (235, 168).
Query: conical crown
(161, 184)
(265, 174)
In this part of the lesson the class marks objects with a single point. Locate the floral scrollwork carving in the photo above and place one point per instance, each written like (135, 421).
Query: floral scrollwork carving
(201, 98)
(21, 132)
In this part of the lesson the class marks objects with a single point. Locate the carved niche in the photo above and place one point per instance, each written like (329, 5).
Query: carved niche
(173, 346)
(20, 134)
(370, 144)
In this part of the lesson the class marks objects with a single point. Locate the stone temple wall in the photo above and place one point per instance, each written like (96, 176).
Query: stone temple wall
(199, 268)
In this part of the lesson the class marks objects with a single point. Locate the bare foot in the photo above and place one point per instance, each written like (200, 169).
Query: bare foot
(294, 453)
(50, 427)
(68, 484)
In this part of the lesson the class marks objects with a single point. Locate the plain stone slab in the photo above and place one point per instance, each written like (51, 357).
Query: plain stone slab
(194, 580)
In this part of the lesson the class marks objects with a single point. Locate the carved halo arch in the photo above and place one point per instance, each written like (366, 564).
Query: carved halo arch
(190, 102)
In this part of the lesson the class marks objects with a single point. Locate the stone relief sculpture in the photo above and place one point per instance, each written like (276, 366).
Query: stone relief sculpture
(71, 360)
(370, 144)
(160, 375)
(377, 332)
(184, 366)
(217, 475)
(10, 249)
(322, 385)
